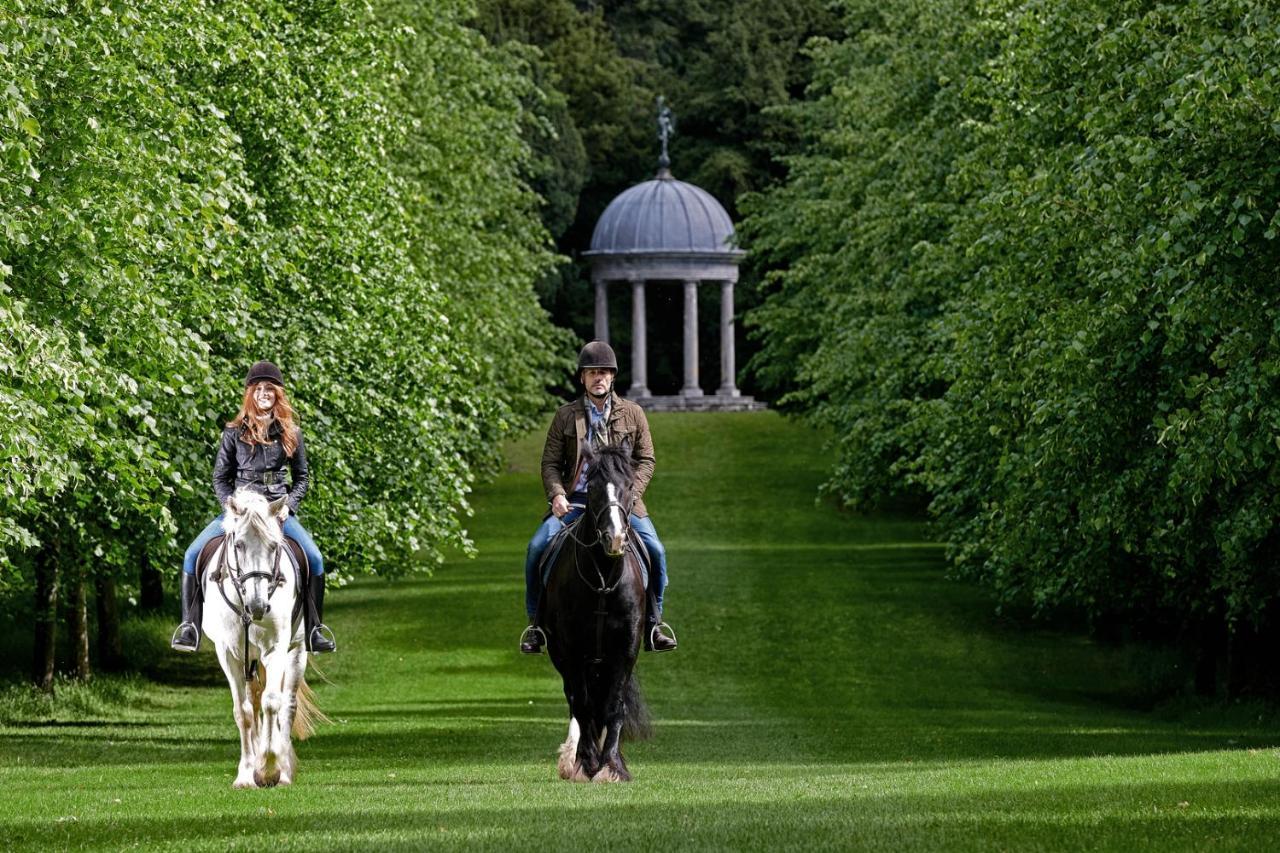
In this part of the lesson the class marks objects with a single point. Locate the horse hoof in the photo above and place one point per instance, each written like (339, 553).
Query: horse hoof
(241, 784)
(268, 780)
(611, 773)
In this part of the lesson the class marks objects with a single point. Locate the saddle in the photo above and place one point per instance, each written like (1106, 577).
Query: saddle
(634, 543)
(297, 559)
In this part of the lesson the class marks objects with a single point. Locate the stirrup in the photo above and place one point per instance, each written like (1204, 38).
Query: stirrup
(668, 634)
(535, 636)
(185, 647)
(325, 634)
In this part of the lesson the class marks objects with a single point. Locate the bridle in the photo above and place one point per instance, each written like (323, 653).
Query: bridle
(613, 503)
(605, 588)
(232, 572)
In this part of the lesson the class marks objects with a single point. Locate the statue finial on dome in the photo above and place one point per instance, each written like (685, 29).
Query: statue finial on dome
(666, 129)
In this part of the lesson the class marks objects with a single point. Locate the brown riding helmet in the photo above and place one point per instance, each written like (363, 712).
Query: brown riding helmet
(597, 354)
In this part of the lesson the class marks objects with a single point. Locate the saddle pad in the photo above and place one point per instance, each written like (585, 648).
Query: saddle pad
(202, 562)
(553, 551)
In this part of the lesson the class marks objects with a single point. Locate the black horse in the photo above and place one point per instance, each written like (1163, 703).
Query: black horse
(593, 611)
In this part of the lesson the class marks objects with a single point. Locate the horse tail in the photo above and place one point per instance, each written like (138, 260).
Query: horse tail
(307, 712)
(638, 724)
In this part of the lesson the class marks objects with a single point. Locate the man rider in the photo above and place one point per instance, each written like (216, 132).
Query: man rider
(600, 417)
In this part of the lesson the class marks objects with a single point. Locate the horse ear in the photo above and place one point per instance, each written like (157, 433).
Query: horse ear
(275, 505)
(626, 445)
(233, 507)
(588, 453)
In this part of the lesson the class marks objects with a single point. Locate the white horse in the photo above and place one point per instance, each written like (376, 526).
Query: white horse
(250, 590)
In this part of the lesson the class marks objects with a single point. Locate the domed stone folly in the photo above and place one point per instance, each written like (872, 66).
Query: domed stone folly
(665, 230)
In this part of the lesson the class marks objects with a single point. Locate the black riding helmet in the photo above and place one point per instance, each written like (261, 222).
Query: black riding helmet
(597, 354)
(264, 371)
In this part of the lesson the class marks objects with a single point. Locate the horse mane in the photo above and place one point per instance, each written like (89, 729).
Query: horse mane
(613, 464)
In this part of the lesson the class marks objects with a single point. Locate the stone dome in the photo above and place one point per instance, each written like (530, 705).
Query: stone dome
(663, 215)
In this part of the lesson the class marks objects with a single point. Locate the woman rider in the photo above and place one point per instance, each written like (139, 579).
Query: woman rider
(255, 447)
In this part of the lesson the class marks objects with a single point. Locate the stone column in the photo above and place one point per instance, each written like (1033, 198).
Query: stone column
(602, 310)
(639, 343)
(728, 382)
(691, 387)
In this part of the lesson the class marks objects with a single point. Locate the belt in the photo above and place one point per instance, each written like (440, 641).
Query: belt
(265, 478)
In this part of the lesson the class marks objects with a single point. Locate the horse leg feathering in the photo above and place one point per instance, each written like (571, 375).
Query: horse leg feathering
(568, 765)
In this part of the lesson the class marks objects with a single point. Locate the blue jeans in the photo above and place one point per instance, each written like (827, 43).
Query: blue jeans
(292, 528)
(548, 529)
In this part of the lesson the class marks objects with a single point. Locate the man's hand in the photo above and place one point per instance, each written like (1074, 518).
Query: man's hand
(559, 506)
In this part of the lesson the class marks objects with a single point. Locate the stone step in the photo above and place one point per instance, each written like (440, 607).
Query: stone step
(703, 403)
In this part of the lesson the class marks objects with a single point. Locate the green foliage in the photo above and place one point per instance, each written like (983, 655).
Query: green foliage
(188, 188)
(1065, 331)
(856, 241)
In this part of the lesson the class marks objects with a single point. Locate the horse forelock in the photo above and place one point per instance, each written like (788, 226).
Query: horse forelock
(254, 510)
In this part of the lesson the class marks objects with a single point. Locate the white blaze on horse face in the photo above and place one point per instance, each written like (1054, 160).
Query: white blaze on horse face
(617, 526)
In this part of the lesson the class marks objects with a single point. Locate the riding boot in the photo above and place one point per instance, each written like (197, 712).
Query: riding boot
(534, 638)
(319, 637)
(187, 637)
(654, 639)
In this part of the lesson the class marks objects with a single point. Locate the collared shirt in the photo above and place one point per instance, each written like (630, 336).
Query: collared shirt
(597, 433)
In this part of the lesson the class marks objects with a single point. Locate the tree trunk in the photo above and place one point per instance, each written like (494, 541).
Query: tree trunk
(151, 586)
(110, 648)
(1209, 657)
(46, 624)
(80, 626)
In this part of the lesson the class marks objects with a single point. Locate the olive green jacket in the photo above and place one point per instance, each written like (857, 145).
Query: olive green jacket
(562, 452)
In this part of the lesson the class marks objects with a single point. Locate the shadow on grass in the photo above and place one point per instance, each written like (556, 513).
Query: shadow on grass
(495, 734)
(855, 815)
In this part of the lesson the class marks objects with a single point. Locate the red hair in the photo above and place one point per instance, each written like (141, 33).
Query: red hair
(256, 430)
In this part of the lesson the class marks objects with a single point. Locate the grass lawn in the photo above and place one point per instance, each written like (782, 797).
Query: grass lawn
(832, 690)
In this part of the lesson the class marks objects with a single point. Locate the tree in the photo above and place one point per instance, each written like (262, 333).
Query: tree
(187, 190)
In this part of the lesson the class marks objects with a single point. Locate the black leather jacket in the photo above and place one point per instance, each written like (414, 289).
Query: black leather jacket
(260, 467)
